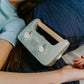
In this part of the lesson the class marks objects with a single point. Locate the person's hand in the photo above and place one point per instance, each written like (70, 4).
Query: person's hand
(70, 73)
(69, 69)
(79, 62)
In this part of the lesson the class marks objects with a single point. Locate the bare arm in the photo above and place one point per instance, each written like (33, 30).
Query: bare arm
(70, 73)
(65, 74)
(21, 78)
(5, 48)
(30, 78)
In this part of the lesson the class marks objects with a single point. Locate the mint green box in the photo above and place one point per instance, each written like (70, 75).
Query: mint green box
(46, 53)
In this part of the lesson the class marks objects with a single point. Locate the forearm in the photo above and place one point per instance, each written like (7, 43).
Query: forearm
(5, 48)
(76, 76)
(52, 77)
(72, 74)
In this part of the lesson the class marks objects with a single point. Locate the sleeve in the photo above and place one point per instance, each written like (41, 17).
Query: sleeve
(11, 31)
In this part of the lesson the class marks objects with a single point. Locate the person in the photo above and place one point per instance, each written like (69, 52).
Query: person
(50, 77)
(65, 21)
(10, 26)
(66, 18)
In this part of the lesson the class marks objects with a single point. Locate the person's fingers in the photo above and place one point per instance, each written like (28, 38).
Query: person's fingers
(83, 65)
(82, 57)
(79, 65)
(78, 62)
(77, 59)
